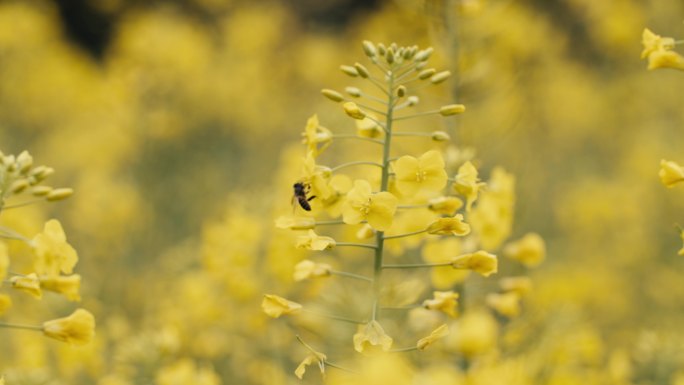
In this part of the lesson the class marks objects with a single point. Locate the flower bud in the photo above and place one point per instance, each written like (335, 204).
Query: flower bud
(440, 77)
(349, 70)
(452, 109)
(24, 162)
(424, 74)
(401, 91)
(381, 49)
(59, 194)
(412, 100)
(369, 49)
(353, 92)
(353, 110)
(41, 172)
(41, 191)
(440, 136)
(19, 185)
(332, 95)
(389, 56)
(362, 70)
(76, 329)
(423, 54)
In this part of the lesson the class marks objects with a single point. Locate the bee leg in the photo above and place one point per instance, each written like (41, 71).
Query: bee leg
(311, 198)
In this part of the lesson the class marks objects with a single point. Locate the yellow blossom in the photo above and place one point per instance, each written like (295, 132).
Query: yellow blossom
(316, 177)
(314, 357)
(316, 138)
(5, 303)
(444, 301)
(365, 232)
(185, 371)
(481, 262)
(295, 223)
(28, 283)
(653, 43)
(665, 59)
(467, 183)
(353, 110)
(445, 205)
(371, 334)
(76, 329)
(362, 204)
(426, 172)
(439, 251)
(53, 253)
(439, 333)
(368, 128)
(506, 304)
(313, 241)
(67, 285)
(308, 269)
(670, 173)
(275, 306)
(492, 219)
(449, 226)
(529, 250)
(520, 285)
(475, 333)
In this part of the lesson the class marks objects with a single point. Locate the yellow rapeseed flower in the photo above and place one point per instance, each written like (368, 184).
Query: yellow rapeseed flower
(521, 285)
(313, 241)
(444, 301)
(67, 285)
(445, 205)
(362, 204)
(506, 304)
(371, 335)
(426, 172)
(27, 283)
(76, 329)
(292, 222)
(53, 253)
(368, 128)
(481, 262)
(653, 43)
(530, 250)
(309, 269)
(670, 173)
(449, 226)
(439, 333)
(665, 59)
(475, 333)
(316, 177)
(467, 183)
(186, 371)
(316, 138)
(275, 306)
(314, 357)
(440, 251)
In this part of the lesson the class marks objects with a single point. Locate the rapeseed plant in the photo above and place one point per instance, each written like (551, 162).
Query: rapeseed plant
(409, 202)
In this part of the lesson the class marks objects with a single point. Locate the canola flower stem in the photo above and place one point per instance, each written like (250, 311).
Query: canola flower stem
(416, 265)
(22, 204)
(328, 363)
(356, 245)
(301, 341)
(11, 234)
(333, 317)
(19, 326)
(350, 275)
(378, 84)
(373, 98)
(419, 114)
(354, 136)
(409, 69)
(412, 134)
(403, 350)
(379, 123)
(343, 165)
(367, 107)
(405, 235)
(325, 223)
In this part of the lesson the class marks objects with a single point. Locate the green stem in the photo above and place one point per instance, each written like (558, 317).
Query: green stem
(403, 350)
(334, 317)
(416, 265)
(324, 223)
(343, 165)
(433, 112)
(413, 134)
(356, 245)
(367, 107)
(11, 234)
(22, 204)
(405, 235)
(354, 136)
(350, 275)
(19, 326)
(328, 363)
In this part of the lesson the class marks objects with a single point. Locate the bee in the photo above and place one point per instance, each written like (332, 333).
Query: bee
(300, 191)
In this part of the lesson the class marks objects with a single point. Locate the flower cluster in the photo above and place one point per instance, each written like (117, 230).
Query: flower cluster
(394, 203)
(659, 52)
(54, 258)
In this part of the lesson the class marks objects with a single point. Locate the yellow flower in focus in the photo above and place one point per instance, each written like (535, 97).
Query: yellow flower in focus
(530, 250)
(54, 254)
(313, 357)
(481, 262)
(445, 205)
(520, 285)
(653, 43)
(370, 335)
(467, 183)
(309, 269)
(313, 241)
(444, 301)
(362, 204)
(339, 185)
(665, 59)
(506, 304)
(185, 372)
(426, 172)
(436, 334)
(67, 285)
(5, 303)
(76, 329)
(316, 177)
(670, 173)
(27, 283)
(275, 306)
(4, 261)
(449, 226)
(475, 333)
(316, 138)
(295, 223)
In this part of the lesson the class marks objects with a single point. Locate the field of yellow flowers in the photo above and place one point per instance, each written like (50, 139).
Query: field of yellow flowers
(408, 192)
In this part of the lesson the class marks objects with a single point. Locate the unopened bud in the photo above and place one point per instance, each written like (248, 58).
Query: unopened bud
(369, 49)
(363, 71)
(349, 70)
(24, 162)
(353, 110)
(423, 54)
(440, 136)
(401, 91)
(41, 172)
(59, 194)
(332, 95)
(381, 49)
(452, 109)
(41, 191)
(412, 100)
(424, 74)
(19, 185)
(440, 77)
(389, 56)
(365, 232)
(353, 92)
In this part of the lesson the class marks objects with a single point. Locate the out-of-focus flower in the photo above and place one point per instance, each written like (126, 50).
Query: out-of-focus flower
(53, 253)
(313, 241)
(529, 250)
(506, 304)
(444, 301)
(467, 183)
(445, 205)
(309, 269)
(67, 285)
(670, 173)
(449, 226)
(475, 333)
(76, 329)
(314, 357)
(481, 262)
(665, 59)
(362, 204)
(316, 138)
(186, 371)
(492, 219)
(275, 306)
(440, 251)
(426, 172)
(439, 333)
(659, 52)
(5, 303)
(521, 285)
(295, 223)
(371, 335)
(653, 43)
(368, 128)
(27, 283)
